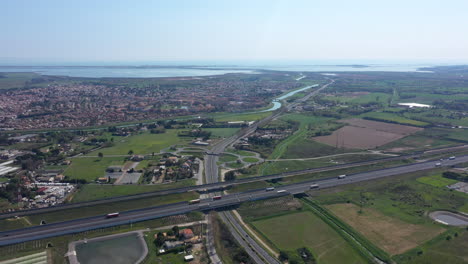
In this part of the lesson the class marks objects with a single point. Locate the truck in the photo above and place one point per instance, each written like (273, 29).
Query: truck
(217, 197)
(112, 215)
(270, 189)
(195, 201)
(314, 186)
(342, 176)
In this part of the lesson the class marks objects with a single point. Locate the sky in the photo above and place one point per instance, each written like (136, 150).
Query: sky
(240, 30)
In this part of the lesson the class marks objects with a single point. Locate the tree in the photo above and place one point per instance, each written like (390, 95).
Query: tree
(283, 256)
(130, 152)
(100, 155)
(175, 229)
(230, 176)
(159, 241)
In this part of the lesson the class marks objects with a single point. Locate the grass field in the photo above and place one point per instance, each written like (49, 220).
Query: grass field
(436, 180)
(389, 233)
(228, 117)
(144, 143)
(401, 197)
(250, 159)
(91, 168)
(91, 192)
(439, 250)
(241, 152)
(303, 229)
(394, 118)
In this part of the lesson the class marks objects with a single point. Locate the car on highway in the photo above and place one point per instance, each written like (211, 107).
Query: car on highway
(112, 215)
(195, 201)
(270, 189)
(438, 164)
(282, 191)
(314, 186)
(452, 158)
(342, 176)
(217, 197)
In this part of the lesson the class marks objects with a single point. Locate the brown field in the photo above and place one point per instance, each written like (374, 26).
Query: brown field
(390, 234)
(366, 134)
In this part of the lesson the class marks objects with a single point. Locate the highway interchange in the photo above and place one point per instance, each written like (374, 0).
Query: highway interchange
(79, 225)
(258, 254)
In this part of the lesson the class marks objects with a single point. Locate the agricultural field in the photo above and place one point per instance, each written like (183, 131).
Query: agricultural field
(450, 247)
(293, 231)
(393, 118)
(359, 97)
(402, 197)
(231, 117)
(366, 134)
(389, 233)
(436, 180)
(91, 168)
(144, 143)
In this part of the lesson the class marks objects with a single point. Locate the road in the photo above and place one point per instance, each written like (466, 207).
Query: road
(80, 225)
(218, 185)
(255, 251)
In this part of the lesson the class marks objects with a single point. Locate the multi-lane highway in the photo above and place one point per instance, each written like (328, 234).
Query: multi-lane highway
(218, 185)
(79, 225)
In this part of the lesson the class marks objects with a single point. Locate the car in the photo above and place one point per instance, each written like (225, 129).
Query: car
(282, 191)
(314, 186)
(452, 158)
(342, 176)
(269, 189)
(438, 164)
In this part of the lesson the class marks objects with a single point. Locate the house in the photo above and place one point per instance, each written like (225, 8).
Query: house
(173, 159)
(172, 244)
(103, 179)
(186, 233)
(200, 143)
(137, 158)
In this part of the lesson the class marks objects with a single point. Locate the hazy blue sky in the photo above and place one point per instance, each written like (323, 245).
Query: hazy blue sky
(150, 30)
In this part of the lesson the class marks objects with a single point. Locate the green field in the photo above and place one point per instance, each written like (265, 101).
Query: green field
(250, 159)
(402, 197)
(393, 118)
(91, 192)
(439, 250)
(227, 158)
(304, 229)
(144, 143)
(91, 168)
(241, 152)
(436, 180)
(228, 117)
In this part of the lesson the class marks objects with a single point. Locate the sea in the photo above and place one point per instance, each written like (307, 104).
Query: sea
(152, 71)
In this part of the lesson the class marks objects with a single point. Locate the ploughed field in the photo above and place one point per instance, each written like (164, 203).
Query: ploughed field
(366, 134)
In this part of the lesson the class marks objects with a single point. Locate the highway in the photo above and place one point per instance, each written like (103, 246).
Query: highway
(80, 225)
(218, 185)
